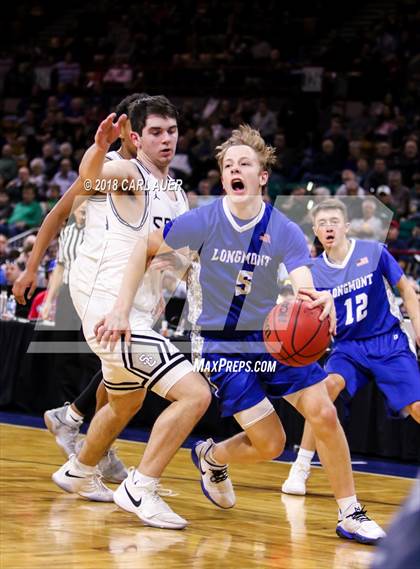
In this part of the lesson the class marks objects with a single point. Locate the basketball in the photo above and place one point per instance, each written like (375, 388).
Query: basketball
(294, 335)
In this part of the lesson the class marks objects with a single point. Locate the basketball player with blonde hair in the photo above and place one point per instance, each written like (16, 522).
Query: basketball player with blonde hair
(241, 242)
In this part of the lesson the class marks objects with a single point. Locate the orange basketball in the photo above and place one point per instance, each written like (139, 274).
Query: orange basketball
(294, 335)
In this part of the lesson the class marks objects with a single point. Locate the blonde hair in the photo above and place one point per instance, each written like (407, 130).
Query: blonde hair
(247, 136)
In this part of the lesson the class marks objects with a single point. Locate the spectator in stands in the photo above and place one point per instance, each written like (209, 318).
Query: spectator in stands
(50, 162)
(355, 152)
(68, 71)
(409, 162)
(3, 248)
(384, 195)
(27, 213)
(400, 193)
(325, 166)
(37, 176)
(295, 206)
(394, 242)
(341, 144)
(362, 171)
(6, 210)
(265, 121)
(14, 188)
(8, 166)
(378, 176)
(204, 192)
(53, 196)
(65, 177)
(12, 271)
(349, 176)
(369, 226)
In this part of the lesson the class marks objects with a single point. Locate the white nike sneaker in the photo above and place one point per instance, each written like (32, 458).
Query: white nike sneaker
(215, 482)
(71, 479)
(354, 524)
(144, 501)
(110, 466)
(65, 434)
(296, 481)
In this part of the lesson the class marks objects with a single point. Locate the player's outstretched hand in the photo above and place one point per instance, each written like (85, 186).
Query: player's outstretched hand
(324, 299)
(108, 131)
(26, 280)
(111, 327)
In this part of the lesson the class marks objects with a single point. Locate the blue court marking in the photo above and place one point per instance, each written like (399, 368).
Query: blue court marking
(359, 463)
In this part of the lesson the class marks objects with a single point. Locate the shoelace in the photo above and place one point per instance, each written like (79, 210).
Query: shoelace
(359, 515)
(218, 475)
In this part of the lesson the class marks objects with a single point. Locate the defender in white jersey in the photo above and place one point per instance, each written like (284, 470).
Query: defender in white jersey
(145, 360)
(64, 422)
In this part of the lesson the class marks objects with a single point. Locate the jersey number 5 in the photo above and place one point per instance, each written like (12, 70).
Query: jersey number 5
(243, 283)
(361, 308)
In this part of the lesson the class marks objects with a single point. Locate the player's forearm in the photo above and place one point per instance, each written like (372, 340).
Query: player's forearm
(52, 224)
(301, 279)
(411, 304)
(55, 283)
(133, 277)
(92, 164)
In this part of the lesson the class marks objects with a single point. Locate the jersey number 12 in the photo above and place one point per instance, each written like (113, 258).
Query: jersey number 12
(361, 301)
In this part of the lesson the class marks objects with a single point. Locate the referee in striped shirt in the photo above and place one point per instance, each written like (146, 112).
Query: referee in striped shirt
(74, 367)
(69, 241)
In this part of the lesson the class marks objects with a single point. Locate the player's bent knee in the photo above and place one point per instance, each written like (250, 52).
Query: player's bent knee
(272, 448)
(335, 384)
(325, 419)
(128, 404)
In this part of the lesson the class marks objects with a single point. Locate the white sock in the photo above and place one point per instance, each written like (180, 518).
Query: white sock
(208, 456)
(73, 418)
(142, 479)
(305, 456)
(344, 503)
(84, 468)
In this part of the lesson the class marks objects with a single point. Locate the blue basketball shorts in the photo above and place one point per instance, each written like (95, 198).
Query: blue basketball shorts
(242, 374)
(386, 359)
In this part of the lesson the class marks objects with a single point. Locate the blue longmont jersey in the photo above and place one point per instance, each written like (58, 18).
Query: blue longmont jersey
(239, 261)
(361, 287)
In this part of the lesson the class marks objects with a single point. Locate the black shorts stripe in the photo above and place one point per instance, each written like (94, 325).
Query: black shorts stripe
(168, 368)
(122, 388)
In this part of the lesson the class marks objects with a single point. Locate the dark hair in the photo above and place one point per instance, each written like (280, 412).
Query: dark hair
(122, 107)
(142, 108)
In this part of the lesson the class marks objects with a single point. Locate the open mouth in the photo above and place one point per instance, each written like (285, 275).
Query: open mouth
(237, 185)
(329, 238)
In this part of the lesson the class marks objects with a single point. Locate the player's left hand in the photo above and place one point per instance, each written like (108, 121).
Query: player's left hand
(111, 327)
(169, 262)
(321, 298)
(28, 279)
(108, 131)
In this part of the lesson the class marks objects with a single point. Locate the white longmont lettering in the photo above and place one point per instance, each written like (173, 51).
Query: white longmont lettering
(355, 284)
(238, 256)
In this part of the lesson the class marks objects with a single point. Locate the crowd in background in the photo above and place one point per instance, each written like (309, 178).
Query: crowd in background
(57, 88)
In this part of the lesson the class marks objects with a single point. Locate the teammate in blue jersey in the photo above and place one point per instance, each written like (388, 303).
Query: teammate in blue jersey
(370, 342)
(241, 242)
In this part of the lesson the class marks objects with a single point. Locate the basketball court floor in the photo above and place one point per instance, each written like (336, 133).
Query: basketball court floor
(41, 526)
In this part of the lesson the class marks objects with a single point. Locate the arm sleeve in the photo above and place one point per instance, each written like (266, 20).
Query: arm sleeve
(295, 248)
(389, 267)
(187, 230)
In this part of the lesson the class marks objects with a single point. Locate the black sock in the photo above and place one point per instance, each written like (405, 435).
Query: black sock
(86, 401)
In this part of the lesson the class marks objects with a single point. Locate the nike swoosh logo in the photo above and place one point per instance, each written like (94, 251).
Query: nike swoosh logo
(72, 475)
(136, 503)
